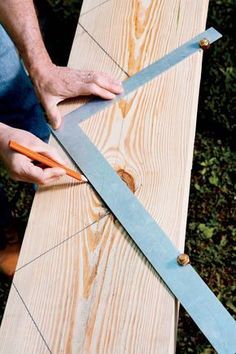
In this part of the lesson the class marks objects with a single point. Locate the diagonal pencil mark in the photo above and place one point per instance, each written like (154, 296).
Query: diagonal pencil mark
(93, 8)
(99, 45)
(62, 242)
(31, 317)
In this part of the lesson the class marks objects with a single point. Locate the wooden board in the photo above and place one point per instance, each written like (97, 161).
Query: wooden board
(87, 287)
(21, 334)
(90, 5)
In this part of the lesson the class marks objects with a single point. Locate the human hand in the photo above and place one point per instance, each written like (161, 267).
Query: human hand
(54, 84)
(20, 167)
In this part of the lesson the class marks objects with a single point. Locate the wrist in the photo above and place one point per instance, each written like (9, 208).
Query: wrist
(37, 65)
(40, 76)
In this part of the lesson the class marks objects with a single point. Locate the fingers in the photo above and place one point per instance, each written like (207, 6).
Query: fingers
(51, 174)
(28, 172)
(106, 82)
(49, 151)
(53, 114)
(37, 145)
(95, 83)
(63, 82)
(100, 84)
(93, 89)
(21, 167)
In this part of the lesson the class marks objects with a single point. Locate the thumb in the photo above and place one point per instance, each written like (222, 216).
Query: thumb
(54, 115)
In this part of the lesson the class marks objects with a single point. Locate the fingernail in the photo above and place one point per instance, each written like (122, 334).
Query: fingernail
(118, 83)
(119, 87)
(111, 96)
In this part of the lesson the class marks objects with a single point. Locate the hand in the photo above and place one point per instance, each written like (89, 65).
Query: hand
(54, 84)
(20, 167)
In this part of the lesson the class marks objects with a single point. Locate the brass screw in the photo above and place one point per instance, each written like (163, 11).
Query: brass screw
(183, 259)
(204, 43)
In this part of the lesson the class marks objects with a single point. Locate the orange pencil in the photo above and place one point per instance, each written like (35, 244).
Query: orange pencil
(45, 160)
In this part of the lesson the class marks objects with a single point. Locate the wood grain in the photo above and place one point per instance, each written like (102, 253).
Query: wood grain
(67, 200)
(20, 334)
(86, 316)
(94, 292)
(153, 142)
(90, 5)
(149, 29)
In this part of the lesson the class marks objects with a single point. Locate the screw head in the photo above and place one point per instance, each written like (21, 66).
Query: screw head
(204, 43)
(183, 259)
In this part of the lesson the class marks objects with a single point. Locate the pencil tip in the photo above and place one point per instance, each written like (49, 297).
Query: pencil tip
(83, 178)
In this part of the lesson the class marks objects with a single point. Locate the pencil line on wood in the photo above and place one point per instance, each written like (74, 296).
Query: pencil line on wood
(62, 242)
(124, 71)
(93, 8)
(31, 317)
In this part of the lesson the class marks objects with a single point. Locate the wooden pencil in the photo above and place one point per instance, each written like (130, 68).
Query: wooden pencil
(35, 156)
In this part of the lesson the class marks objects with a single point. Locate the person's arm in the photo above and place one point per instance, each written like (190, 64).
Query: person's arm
(20, 20)
(52, 83)
(20, 167)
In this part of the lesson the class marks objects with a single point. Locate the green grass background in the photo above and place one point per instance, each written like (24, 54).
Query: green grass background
(211, 230)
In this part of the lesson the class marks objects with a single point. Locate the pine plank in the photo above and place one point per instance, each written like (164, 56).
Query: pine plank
(94, 292)
(155, 139)
(87, 317)
(67, 200)
(20, 334)
(149, 29)
(90, 5)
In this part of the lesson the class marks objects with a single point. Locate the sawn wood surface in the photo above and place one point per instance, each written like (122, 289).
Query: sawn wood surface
(81, 285)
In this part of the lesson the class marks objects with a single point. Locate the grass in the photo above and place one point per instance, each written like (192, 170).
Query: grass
(211, 231)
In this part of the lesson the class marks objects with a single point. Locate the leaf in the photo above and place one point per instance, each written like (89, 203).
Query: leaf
(231, 306)
(203, 171)
(206, 230)
(197, 187)
(207, 351)
(214, 180)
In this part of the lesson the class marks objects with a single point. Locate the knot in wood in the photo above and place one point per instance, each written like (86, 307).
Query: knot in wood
(204, 43)
(127, 178)
(183, 259)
